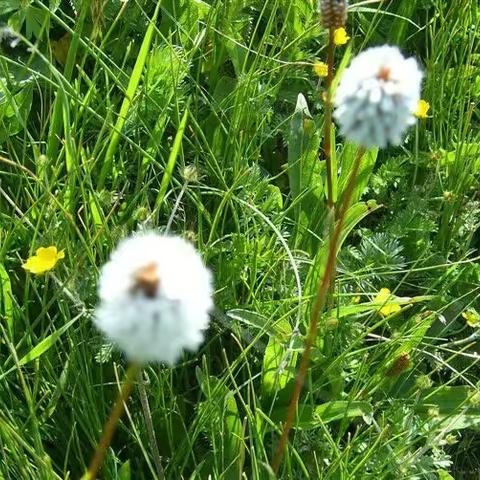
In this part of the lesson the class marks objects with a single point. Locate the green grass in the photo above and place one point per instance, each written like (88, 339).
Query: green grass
(94, 143)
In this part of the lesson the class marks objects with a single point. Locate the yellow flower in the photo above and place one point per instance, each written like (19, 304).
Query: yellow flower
(422, 109)
(383, 297)
(340, 36)
(43, 260)
(321, 69)
(472, 317)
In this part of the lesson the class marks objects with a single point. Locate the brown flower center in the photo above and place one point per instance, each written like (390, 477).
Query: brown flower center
(384, 74)
(147, 280)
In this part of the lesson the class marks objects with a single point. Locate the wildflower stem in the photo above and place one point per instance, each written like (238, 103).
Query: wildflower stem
(317, 308)
(111, 425)
(415, 172)
(328, 119)
(327, 146)
(147, 415)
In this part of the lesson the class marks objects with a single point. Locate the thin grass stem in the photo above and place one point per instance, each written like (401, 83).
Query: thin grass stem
(147, 415)
(327, 133)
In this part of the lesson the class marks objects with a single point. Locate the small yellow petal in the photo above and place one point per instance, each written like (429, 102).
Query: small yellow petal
(422, 109)
(45, 259)
(321, 69)
(340, 36)
(388, 308)
(472, 317)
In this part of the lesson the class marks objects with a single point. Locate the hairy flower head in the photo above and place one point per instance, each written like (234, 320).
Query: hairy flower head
(377, 97)
(333, 13)
(155, 295)
(44, 260)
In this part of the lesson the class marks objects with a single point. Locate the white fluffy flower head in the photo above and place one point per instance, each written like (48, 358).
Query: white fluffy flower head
(155, 295)
(377, 97)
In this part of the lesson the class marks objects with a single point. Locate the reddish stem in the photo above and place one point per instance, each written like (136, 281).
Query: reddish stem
(111, 425)
(316, 311)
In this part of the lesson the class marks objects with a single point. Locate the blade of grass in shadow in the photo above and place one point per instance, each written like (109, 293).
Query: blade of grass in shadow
(57, 115)
(172, 160)
(127, 101)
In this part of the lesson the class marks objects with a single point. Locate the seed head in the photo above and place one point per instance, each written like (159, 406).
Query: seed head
(377, 97)
(155, 295)
(333, 13)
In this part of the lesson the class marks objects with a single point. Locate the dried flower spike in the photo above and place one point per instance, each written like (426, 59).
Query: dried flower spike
(377, 97)
(400, 364)
(333, 13)
(155, 295)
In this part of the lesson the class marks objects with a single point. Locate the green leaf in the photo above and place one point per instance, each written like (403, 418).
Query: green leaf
(129, 96)
(354, 215)
(7, 6)
(278, 364)
(125, 472)
(6, 304)
(304, 169)
(172, 160)
(14, 110)
(444, 475)
(347, 159)
(221, 422)
(455, 408)
(312, 417)
(449, 400)
(45, 344)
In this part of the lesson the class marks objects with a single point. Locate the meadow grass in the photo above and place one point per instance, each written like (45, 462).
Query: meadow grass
(208, 117)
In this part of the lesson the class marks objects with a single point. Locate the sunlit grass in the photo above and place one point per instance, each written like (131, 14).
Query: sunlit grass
(94, 142)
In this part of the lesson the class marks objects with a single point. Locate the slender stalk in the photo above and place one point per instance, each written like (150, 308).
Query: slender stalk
(111, 425)
(147, 415)
(327, 146)
(328, 119)
(415, 172)
(316, 311)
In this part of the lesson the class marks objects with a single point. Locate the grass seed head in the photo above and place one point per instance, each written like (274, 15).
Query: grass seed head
(333, 13)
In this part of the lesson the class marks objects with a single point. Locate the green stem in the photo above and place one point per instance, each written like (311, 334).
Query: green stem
(147, 415)
(327, 132)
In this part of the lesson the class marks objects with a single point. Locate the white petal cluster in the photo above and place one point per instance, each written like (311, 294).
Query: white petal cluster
(155, 295)
(377, 97)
